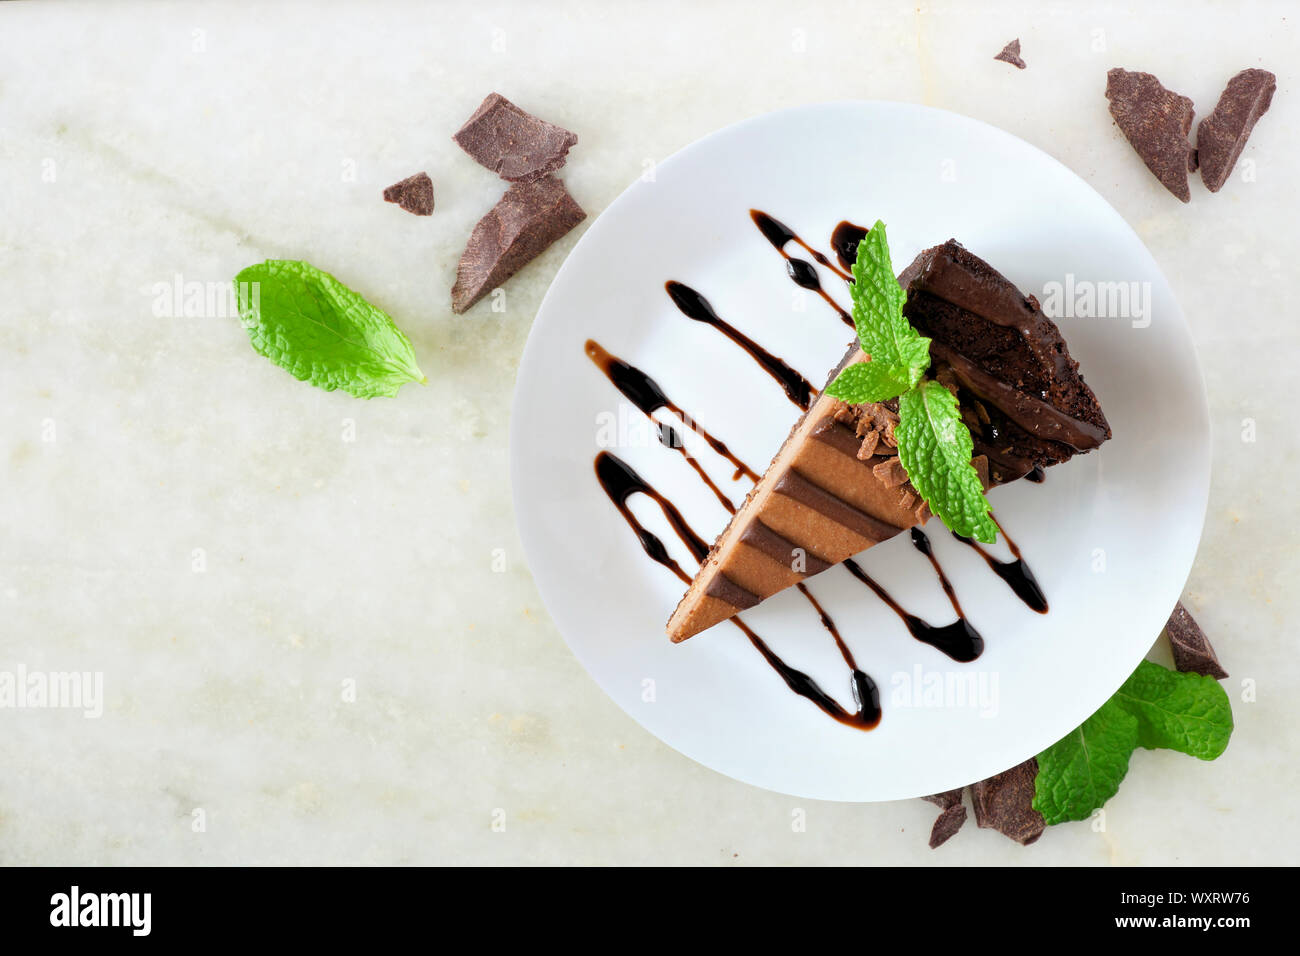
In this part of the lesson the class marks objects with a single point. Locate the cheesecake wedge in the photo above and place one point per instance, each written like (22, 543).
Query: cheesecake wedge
(836, 486)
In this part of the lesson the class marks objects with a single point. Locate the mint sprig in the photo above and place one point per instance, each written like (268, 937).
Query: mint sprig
(935, 448)
(934, 444)
(897, 355)
(320, 331)
(1155, 708)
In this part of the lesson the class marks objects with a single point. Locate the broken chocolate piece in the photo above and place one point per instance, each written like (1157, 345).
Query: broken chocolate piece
(515, 145)
(1004, 802)
(1011, 54)
(1192, 649)
(946, 825)
(947, 799)
(1221, 135)
(526, 220)
(1156, 122)
(414, 194)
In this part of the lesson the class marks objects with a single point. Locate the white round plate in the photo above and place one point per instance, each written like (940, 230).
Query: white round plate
(1110, 535)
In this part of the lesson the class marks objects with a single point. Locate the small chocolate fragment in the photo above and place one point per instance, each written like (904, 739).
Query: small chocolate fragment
(414, 194)
(946, 825)
(1011, 54)
(1192, 649)
(515, 145)
(1221, 135)
(1004, 803)
(519, 228)
(947, 799)
(1156, 122)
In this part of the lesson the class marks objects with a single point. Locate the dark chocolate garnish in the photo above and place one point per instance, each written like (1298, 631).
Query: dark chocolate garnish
(519, 228)
(1221, 135)
(946, 825)
(1192, 649)
(1156, 122)
(414, 194)
(1011, 54)
(1004, 802)
(947, 799)
(514, 144)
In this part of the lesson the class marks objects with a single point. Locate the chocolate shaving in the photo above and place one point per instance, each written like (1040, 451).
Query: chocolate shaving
(1004, 803)
(1011, 54)
(946, 825)
(515, 145)
(869, 442)
(890, 472)
(1156, 122)
(1192, 649)
(1221, 136)
(414, 194)
(526, 220)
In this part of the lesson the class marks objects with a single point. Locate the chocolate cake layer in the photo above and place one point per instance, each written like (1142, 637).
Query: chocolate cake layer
(836, 487)
(1026, 402)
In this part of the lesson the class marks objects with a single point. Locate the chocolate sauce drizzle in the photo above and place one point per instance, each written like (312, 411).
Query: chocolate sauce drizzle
(620, 482)
(844, 240)
(1016, 573)
(801, 271)
(695, 306)
(780, 235)
(959, 640)
(865, 693)
(644, 392)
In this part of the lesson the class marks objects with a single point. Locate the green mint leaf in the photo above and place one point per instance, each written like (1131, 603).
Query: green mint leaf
(935, 448)
(1155, 707)
(1189, 713)
(869, 382)
(1083, 770)
(320, 331)
(885, 335)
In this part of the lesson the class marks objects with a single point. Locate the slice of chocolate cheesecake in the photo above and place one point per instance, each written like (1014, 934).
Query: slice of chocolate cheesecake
(836, 486)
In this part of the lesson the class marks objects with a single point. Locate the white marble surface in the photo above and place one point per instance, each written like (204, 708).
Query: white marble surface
(139, 142)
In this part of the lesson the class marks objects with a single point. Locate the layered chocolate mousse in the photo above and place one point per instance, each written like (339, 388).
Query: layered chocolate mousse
(836, 486)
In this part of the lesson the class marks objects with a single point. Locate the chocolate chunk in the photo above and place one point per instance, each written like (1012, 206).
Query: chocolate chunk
(1004, 803)
(1156, 122)
(1192, 649)
(1221, 135)
(1011, 54)
(414, 194)
(515, 145)
(526, 220)
(946, 825)
(947, 799)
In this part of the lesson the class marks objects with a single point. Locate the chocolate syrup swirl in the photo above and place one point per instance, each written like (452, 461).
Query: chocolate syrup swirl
(959, 640)
(865, 693)
(621, 482)
(780, 235)
(1016, 573)
(644, 392)
(801, 271)
(844, 240)
(695, 306)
